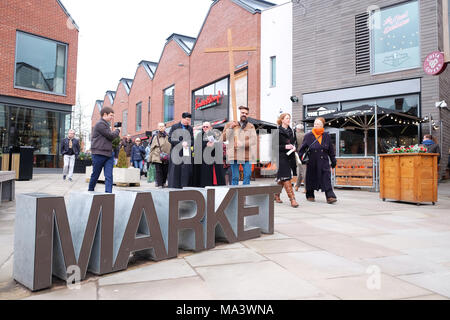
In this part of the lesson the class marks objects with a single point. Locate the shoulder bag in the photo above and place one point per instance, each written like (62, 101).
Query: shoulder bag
(164, 157)
(305, 157)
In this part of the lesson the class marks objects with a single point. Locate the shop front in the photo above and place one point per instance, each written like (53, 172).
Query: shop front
(392, 117)
(42, 129)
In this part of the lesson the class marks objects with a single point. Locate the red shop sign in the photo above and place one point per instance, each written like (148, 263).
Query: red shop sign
(211, 101)
(434, 63)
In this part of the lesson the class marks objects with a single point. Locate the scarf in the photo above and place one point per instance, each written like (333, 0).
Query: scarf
(70, 144)
(428, 142)
(318, 133)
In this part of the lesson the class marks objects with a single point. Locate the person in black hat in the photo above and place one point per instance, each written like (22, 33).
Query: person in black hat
(181, 137)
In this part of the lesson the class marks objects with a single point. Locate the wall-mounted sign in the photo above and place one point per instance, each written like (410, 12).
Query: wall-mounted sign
(434, 63)
(210, 101)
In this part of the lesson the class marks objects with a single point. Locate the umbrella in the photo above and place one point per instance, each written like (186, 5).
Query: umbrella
(367, 118)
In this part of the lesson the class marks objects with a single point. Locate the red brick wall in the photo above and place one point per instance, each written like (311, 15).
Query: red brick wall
(120, 105)
(170, 73)
(42, 18)
(208, 67)
(140, 92)
(95, 116)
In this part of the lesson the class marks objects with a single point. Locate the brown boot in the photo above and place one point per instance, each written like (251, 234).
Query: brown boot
(296, 188)
(277, 195)
(290, 192)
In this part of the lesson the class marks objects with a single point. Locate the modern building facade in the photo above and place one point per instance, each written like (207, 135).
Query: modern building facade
(365, 52)
(187, 79)
(38, 64)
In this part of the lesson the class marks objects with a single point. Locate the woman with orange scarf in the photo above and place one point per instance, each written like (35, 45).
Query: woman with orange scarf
(321, 153)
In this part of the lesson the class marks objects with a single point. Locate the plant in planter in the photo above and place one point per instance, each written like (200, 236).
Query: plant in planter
(411, 149)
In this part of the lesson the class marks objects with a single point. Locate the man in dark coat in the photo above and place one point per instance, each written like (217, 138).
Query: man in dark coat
(318, 171)
(101, 147)
(180, 162)
(431, 146)
(70, 149)
(210, 174)
(127, 145)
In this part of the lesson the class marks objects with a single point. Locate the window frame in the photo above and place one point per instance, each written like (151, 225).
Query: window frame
(164, 106)
(65, 64)
(372, 45)
(139, 107)
(273, 75)
(446, 27)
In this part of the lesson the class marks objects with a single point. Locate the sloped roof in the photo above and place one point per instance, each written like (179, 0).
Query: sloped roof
(127, 83)
(111, 95)
(252, 6)
(150, 67)
(68, 14)
(99, 104)
(186, 43)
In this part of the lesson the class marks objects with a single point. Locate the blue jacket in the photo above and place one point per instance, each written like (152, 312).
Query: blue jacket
(137, 153)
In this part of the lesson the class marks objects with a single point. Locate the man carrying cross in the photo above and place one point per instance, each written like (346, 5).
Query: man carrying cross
(241, 147)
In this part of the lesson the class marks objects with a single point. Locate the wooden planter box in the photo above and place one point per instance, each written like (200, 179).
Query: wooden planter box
(409, 177)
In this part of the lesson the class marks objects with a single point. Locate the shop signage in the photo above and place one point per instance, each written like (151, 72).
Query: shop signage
(210, 101)
(434, 63)
(320, 113)
(97, 232)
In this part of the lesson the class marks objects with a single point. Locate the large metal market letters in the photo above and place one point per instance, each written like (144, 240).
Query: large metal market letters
(97, 232)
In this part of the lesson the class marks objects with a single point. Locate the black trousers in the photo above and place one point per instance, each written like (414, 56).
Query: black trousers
(329, 194)
(161, 173)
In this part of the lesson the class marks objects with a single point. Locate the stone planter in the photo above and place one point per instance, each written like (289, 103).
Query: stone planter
(409, 177)
(124, 176)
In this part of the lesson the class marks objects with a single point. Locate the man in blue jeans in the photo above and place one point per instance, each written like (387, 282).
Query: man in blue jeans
(241, 147)
(101, 147)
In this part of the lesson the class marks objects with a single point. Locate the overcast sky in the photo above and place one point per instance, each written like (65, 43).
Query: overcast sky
(115, 35)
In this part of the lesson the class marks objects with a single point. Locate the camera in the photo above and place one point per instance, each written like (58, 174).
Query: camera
(118, 125)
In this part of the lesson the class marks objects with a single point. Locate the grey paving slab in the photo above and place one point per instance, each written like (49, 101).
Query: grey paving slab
(403, 265)
(435, 282)
(401, 242)
(317, 264)
(261, 280)
(225, 246)
(434, 254)
(342, 227)
(348, 247)
(274, 236)
(279, 245)
(193, 288)
(169, 269)
(356, 288)
(217, 257)
(428, 297)
(87, 291)
(300, 229)
(6, 270)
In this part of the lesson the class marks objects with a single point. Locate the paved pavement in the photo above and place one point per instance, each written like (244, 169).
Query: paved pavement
(318, 251)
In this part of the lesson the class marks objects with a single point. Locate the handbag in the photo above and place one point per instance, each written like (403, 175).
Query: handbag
(305, 157)
(164, 157)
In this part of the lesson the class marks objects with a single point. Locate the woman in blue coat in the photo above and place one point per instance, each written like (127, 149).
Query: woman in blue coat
(318, 170)
(137, 154)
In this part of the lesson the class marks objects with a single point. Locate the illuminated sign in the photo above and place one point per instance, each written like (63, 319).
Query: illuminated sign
(209, 102)
(434, 63)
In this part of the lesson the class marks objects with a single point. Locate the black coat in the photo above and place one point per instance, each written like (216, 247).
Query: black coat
(180, 175)
(75, 147)
(287, 164)
(207, 170)
(318, 170)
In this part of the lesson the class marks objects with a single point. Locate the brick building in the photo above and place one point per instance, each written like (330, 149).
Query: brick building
(346, 64)
(38, 64)
(185, 76)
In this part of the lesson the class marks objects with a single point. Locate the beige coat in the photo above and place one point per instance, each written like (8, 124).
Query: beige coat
(242, 143)
(155, 150)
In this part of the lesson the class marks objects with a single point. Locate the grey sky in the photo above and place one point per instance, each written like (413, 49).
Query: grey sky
(115, 35)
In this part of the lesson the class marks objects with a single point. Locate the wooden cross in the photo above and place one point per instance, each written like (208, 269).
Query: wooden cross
(230, 49)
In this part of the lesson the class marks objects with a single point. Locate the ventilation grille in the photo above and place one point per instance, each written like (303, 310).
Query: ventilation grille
(362, 43)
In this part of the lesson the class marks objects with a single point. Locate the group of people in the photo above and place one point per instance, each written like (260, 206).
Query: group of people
(293, 144)
(173, 154)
